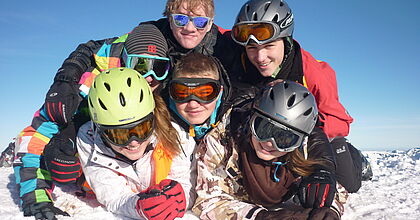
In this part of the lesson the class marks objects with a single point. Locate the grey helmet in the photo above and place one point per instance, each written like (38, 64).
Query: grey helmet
(276, 11)
(290, 104)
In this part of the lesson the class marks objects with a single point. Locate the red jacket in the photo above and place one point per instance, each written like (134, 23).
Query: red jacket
(320, 79)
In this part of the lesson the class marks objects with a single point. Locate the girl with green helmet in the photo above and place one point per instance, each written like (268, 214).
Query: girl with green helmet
(132, 155)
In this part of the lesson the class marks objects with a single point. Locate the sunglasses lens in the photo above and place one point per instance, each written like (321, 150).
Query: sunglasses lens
(143, 65)
(200, 22)
(121, 136)
(179, 92)
(265, 129)
(180, 20)
(261, 31)
(160, 67)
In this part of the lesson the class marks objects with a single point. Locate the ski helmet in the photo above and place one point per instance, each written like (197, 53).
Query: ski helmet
(290, 104)
(119, 96)
(275, 11)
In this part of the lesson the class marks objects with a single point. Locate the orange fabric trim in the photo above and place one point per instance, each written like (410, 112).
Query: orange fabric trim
(162, 161)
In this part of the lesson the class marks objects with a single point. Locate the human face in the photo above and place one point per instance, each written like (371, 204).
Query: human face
(266, 57)
(196, 112)
(134, 150)
(265, 150)
(189, 36)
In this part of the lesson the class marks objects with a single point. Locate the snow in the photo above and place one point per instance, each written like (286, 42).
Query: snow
(393, 193)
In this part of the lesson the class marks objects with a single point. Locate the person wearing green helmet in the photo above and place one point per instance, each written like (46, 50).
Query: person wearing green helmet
(132, 156)
(48, 145)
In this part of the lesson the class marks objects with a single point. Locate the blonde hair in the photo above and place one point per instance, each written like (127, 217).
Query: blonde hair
(192, 5)
(198, 65)
(166, 133)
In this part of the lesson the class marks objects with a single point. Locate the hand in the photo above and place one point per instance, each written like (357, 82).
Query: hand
(62, 101)
(43, 210)
(317, 190)
(61, 160)
(163, 201)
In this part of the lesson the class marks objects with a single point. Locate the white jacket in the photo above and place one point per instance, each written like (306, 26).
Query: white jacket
(116, 183)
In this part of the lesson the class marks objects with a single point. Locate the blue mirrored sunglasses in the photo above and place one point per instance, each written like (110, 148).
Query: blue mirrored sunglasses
(180, 20)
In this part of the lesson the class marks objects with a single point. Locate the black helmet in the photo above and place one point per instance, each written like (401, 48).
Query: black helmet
(275, 12)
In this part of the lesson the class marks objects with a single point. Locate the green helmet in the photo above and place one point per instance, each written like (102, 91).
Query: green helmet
(119, 96)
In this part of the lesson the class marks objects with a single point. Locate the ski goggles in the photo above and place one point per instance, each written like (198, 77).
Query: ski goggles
(146, 65)
(204, 90)
(123, 135)
(260, 32)
(283, 138)
(180, 20)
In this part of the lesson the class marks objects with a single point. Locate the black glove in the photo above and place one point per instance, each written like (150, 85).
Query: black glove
(43, 210)
(317, 190)
(62, 101)
(61, 161)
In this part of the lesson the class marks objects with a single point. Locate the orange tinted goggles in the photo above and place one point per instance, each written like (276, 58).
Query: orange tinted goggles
(261, 32)
(203, 90)
(123, 135)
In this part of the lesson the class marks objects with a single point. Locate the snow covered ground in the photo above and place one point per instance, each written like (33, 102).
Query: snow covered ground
(393, 193)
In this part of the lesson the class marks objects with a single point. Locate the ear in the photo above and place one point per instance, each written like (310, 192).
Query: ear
(209, 25)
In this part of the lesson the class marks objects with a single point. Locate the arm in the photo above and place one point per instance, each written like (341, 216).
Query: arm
(219, 195)
(321, 81)
(111, 189)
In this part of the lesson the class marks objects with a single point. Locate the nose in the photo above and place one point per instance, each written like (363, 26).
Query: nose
(190, 26)
(193, 103)
(261, 55)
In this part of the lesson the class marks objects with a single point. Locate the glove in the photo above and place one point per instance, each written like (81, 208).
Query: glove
(61, 101)
(163, 201)
(317, 190)
(61, 161)
(43, 210)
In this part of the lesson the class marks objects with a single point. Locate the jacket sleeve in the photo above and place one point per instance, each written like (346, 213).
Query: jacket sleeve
(218, 194)
(110, 188)
(33, 180)
(79, 61)
(319, 148)
(321, 81)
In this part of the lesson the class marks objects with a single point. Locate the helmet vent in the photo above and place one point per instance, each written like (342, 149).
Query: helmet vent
(102, 104)
(281, 3)
(94, 84)
(141, 95)
(305, 95)
(308, 112)
(291, 100)
(267, 5)
(275, 18)
(271, 95)
(254, 17)
(122, 100)
(107, 87)
(90, 102)
(129, 81)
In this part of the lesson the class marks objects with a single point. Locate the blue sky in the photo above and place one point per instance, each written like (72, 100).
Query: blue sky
(373, 46)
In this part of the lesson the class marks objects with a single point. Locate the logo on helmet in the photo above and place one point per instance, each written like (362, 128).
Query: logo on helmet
(287, 21)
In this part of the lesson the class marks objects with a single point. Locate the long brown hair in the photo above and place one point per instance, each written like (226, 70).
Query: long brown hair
(299, 165)
(166, 133)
